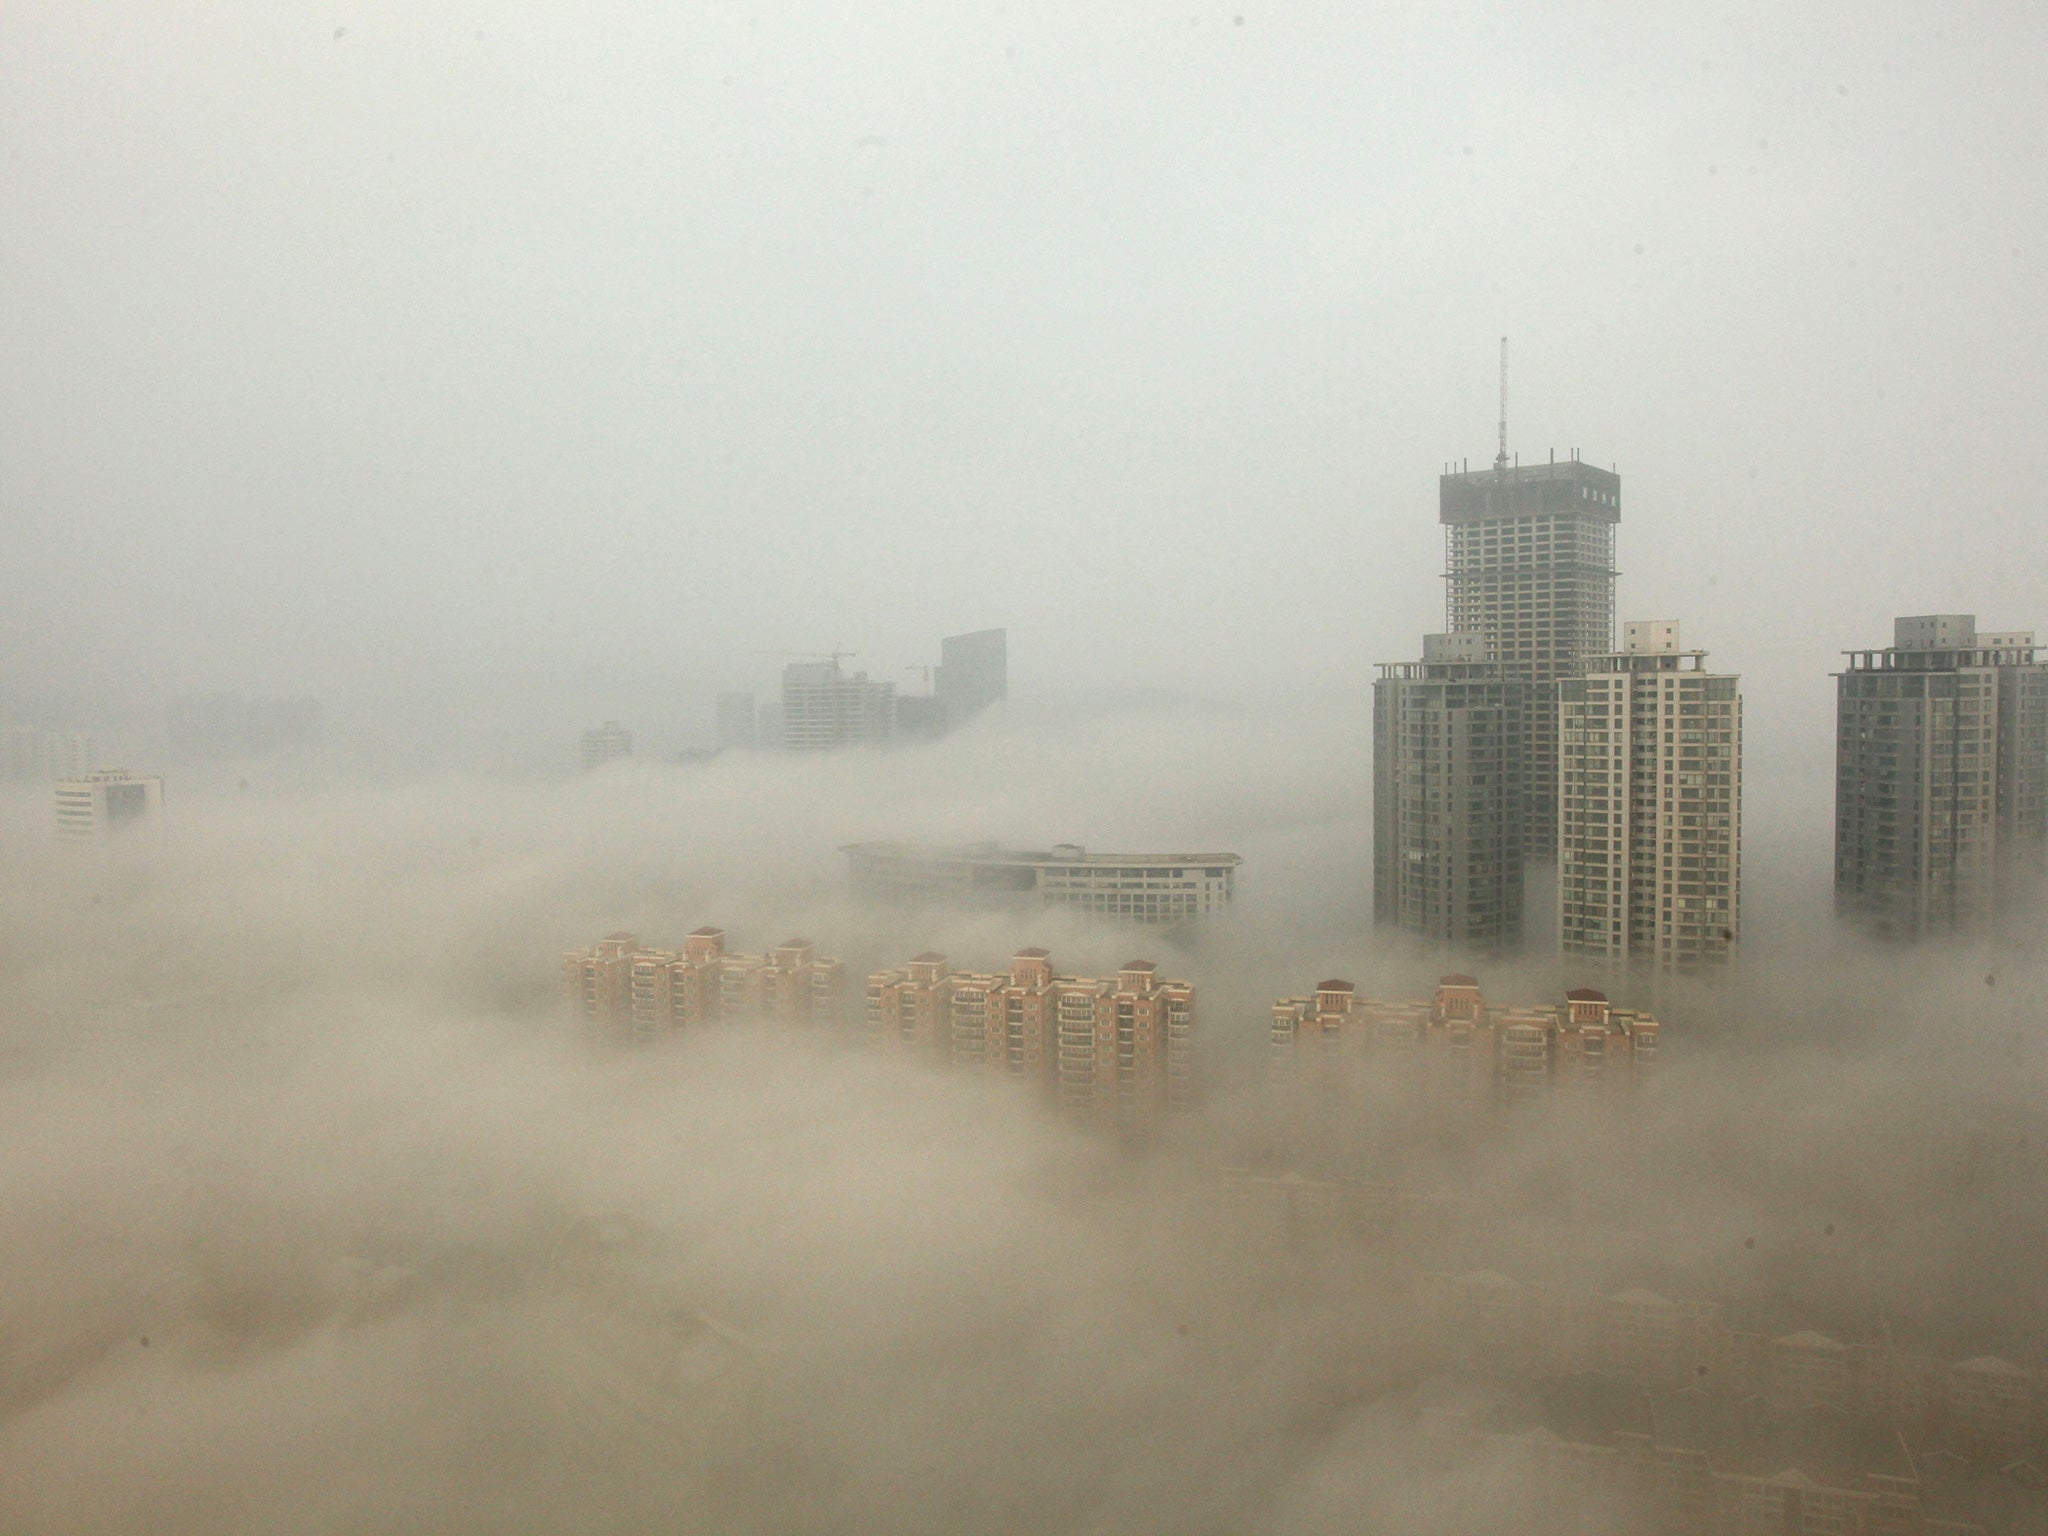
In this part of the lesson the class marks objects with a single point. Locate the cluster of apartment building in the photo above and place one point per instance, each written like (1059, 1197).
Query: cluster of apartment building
(1116, 1050)
(624, 990)
(1455, 1044)
(1523, 736)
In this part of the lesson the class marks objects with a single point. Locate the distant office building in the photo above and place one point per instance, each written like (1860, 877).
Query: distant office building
(824, 706)
(108, 802)
(1457, 1045)
(1650, 806)
(1113, 1050)
(608, 743)
(1941, 781)
(1530, 564)
(32, 753)
(1151, 889)
(622, 989)
(226, 727)
(974, 672)
(1450, 735)
(737, 724)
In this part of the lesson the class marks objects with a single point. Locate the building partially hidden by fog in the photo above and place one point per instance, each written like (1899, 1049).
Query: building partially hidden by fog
(1150, 889)
(825, 706)
(1457, 1046)
(1450, 734)
(1650, 806)
(738, 727)
(226, 727)
(108, 802)
(1941, 778)
(33, 752)
(1529, 559)
(620, 988)
(1113, 1050)
(974, 672)
(606, 744)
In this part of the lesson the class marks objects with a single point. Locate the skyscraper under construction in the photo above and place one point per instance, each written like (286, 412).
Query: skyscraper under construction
(1529, 560)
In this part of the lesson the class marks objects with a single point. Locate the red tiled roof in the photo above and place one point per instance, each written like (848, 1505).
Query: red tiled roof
(1335, 986)
(1586, 995)
(1457, 979)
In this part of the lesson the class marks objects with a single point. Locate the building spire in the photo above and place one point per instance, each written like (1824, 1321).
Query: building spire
(1500, 459)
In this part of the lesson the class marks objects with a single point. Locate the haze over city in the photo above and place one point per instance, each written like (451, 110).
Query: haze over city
(941, 482)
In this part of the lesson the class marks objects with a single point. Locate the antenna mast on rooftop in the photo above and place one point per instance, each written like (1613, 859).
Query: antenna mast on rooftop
(1500, 459)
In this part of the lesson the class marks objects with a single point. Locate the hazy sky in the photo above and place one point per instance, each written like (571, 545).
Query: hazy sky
(353, 347)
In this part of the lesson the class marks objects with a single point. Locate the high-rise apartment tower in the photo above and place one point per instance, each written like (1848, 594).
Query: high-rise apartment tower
(1941, 781)
(1450, 734)
(1650, 806)
(1529, 558)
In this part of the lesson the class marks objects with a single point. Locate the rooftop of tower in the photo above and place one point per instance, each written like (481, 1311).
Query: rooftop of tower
(1565, 486)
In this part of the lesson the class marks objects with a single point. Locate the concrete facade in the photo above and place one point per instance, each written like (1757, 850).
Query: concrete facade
(1529, 561)
(1941, 778)
(1450, 737)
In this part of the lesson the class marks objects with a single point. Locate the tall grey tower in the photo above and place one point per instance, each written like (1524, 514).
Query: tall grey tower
(1941, 778)
(1448, 749)
(1529, 559)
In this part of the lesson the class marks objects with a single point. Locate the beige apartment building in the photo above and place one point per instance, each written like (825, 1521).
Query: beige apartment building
(1457, 1044)
(618, 987)
(1113, 1050)
(1649, 807)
